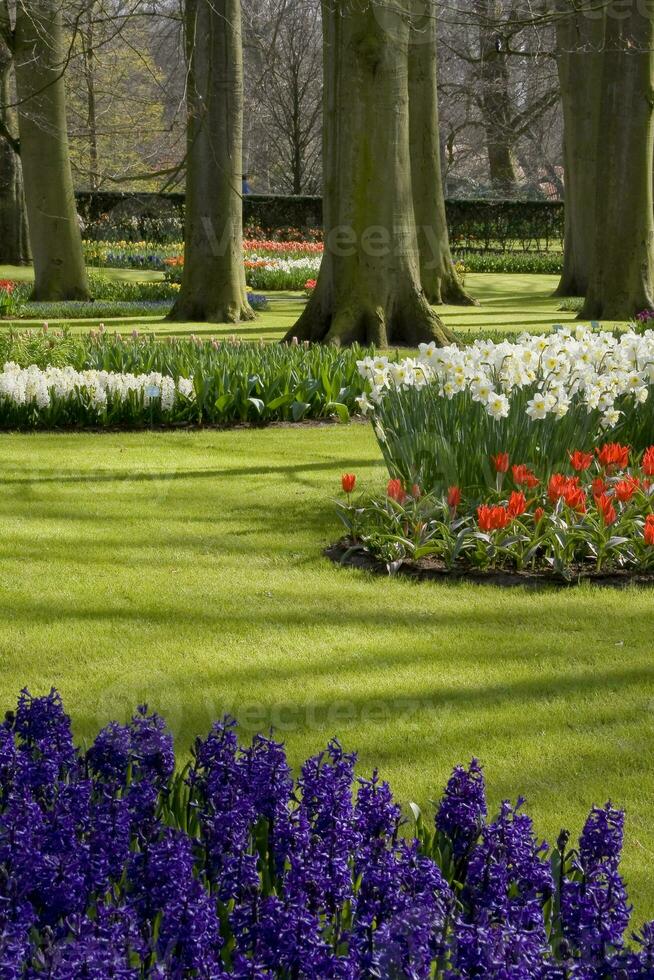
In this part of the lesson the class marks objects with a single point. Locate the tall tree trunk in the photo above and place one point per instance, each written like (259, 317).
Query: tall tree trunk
(54, 231)
(213, 285)
(88, 54)
(580, 43)
(369, 286)
(14, 243)
(621, 279)
(437, 273)
(495, 101)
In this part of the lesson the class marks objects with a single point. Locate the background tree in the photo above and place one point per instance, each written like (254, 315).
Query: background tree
(213, 285)
(124, 94)
(501, 119)
(438, 277)
(283, 93)
(621, 271)
(580, 53)
(14, 244)
(369, 286)
(40, 61)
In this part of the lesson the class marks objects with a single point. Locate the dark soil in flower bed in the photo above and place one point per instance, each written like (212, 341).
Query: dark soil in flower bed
(431, 569)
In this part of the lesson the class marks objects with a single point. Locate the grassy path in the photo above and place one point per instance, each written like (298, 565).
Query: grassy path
(508, 302)
(185, 570)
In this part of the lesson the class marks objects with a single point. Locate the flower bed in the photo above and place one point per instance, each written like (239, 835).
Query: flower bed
(596, 519)
(442, 416)
(268, 265)
(113, 865)
(531, 456)
(52, 381)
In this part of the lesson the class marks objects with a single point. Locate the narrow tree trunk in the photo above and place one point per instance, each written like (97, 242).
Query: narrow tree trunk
(88, 53)
(54, 231)
(580, 43)
(495, 102)
(621, 280)
(213, 285)
(14, 243)
(437, 273)
(369, 284)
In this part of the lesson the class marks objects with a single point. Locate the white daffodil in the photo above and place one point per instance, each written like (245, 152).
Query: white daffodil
(498, 406)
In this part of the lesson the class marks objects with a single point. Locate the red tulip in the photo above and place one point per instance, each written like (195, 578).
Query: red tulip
(580, 461)
(396, 491)
(500, 462)
(606, 509)
(348, 482)
(492, 518)
(539, 514)
(648, 461)
(453, 497)
(522, 476)
(517, 505)
(649, 530)
(613, 456)
(625, 489)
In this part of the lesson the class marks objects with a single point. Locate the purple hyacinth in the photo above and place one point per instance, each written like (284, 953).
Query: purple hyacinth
(376, 814)
(189, 933)
(492, 950)
(110, 755)
(462, 811)
(43, 732)
(151, 751)
(595, 913)
(601, 839)
(326, 832)
(110, 834)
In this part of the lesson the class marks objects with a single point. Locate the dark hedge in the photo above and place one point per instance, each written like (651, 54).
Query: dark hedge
(474, 225)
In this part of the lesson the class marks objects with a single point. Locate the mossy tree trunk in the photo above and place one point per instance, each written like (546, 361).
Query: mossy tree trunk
(39, 60)
(213, 285)
(621, 275)
(14, 243)
(369, 287)
(580, 44)
(495, 99)
(438, 276)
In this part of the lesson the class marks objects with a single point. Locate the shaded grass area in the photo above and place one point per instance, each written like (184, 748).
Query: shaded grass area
(510, 303)
(185, 570)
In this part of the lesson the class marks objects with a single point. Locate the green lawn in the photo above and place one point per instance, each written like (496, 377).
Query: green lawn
(508, 302)
(185, 569)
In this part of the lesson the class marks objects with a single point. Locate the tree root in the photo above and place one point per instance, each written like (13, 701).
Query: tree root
(410, 323)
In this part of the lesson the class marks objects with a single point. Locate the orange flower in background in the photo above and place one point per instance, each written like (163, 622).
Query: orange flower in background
(539, 514)
(348, 482)
(613, 456)
(648, 462)
(517, 505)
(649, 530)
(500, 462)
(310, 285)
(416, 492)
(453, 497)
(580, 461)
(606, 509)
(599, 486)
(396, 491)
(625, 489)
(523, 477)
(492, 518)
